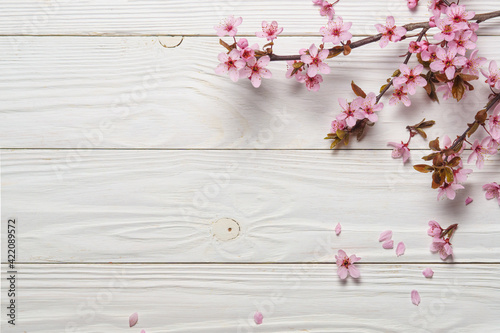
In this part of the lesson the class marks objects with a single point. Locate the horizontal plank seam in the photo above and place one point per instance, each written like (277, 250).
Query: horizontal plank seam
(258, 263)
(213, 149)
(174, 35)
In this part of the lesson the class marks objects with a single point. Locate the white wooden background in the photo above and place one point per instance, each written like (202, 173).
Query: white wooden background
(121, 149)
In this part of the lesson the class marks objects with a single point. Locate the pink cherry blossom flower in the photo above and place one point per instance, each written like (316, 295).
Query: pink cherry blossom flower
(242, 43)
(317, 2)
(337, 125)
(336, 31)
(228, 26)
(414, 47)
(415, 297)
(327, 9)
(473, 63)
(389, 244)
(385, 235)
(428, 272)
(463, 42)
(258, 317)
(349, 110)
(390, 32)
(459, 16)
(338, 229)
(430, 54)
(312, 83)
(400, 249)
(411, 78)
(400, 150)
(448, 189)
(346, 265)
(315, 61)
(493, 77)
(494, 123)
(412, 4)
(447, 61)
(368, 108)
(492, 191)
(460, 175)
(437, 7)
(400, 94)
(478, 152)
(447, 30)
(255, 70)
(468, 201)
(269, 30)
(291, 69)
(230, 63)
(442, 246)
(435, 229)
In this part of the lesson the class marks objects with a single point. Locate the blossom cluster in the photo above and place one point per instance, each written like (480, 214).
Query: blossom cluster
(241, 59)
(441, 239)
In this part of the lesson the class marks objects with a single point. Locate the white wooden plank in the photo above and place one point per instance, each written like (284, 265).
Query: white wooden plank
(87, 92)
(223, 298)
(161, 206)
(175, 17)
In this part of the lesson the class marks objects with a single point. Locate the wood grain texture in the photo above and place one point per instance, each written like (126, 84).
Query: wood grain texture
(223, 298)
(160, 206)
(131, 92)
(157, 17)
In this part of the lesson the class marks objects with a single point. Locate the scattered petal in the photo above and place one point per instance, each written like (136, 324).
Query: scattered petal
(143, 331)
(468, 200)
(415, 297)
(385, 235)
(132, 320)
(258, 317)
(388, 244)
(400, 249)
(338, 229)
(428, 272)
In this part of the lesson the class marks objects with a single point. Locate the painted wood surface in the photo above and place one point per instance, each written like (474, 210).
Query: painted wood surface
(131, 92)
(121, 149)
(161, 206)
(223, 298)
(158, 17)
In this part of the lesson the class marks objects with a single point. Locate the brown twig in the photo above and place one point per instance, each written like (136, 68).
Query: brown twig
(409, 27)
(462, 137)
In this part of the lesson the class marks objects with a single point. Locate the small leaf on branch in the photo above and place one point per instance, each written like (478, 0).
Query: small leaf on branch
(424, 168)
(421, 132)
(437, 178)
(298, 64)
(441, 77)
(427, 124)
(481, 116)
(347, 49)
(468, 77)
(434, 145)
(449, 175)
(396, 73)
(455, 161)
(383, 87)
(340, 134)
(335, 51)
(438, 160)
(429, 157)
(346, 139)
(357, 90)
(458, 89)
(472, 129)
(335, 143)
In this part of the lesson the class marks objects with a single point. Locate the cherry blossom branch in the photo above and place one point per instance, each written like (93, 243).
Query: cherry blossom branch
(372, 39)
(462, 137)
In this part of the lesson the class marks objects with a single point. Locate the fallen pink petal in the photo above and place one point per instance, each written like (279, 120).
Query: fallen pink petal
(258, 317)
(468, 200)
(143, 331)
(415, 297)
(338, 229)
(132, 320)
(388, 244)
(400, 249)
(385, 235)
(428, 272)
